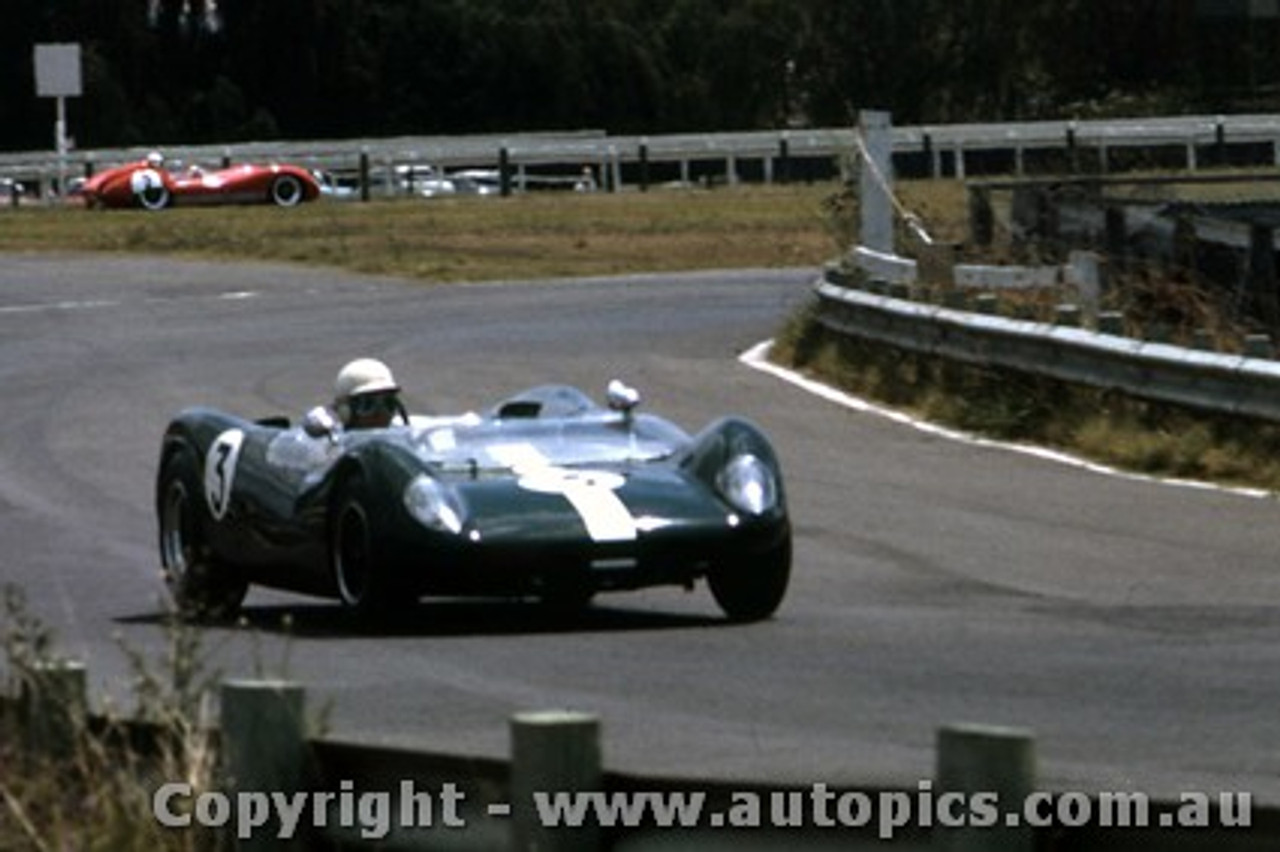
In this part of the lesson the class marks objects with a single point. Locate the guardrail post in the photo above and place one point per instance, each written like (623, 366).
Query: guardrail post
(264, 747)
(992, 761)
(504, 172)
(982, 220)
(644, 167)
(1116, 230)
(784, 160)
(615, 169)
(1262, 273)
(364, 175)
(53, 707)
(552, 752)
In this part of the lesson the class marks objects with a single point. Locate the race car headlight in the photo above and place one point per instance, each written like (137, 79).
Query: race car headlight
(748, 484)
(433, 505)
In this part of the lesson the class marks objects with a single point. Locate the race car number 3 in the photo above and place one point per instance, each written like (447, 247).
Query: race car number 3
(220, 471)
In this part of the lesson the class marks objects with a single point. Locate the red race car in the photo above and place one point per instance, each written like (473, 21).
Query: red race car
(149, 185)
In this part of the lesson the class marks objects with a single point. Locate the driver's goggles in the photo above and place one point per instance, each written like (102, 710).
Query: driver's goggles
(373, 403)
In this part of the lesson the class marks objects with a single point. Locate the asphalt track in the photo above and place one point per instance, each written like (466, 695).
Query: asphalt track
(1133, 627)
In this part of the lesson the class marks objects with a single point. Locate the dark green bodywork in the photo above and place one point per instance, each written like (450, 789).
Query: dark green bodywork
(270, 513)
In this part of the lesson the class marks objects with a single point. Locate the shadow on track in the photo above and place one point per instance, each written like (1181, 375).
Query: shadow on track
(444, 619)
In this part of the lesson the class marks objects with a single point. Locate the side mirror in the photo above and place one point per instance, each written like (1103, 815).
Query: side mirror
(320, 423)
(621, 397)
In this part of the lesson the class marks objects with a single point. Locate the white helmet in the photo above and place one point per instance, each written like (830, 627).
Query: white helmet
(155, 159)
(361, 376)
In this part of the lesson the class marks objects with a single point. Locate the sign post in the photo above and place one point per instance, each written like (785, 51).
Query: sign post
(58, 76)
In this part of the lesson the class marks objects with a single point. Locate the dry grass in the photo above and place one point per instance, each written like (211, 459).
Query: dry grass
(538, 235)
(1101, 425)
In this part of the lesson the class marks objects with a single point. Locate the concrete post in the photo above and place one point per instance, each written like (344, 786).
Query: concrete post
(1258, 346)
(1084, 271)
(54, 707)
(615, 169)
(264, 746)
(1111, 322)
(552, 752)
(992, 761)
(875, 184)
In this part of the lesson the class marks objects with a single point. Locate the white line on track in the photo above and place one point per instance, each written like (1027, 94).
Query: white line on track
(757, 357)
(97, 304)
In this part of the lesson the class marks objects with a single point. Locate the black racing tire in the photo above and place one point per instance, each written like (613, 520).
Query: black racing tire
(154, 198)
(361, 573)
(752, 588)
(203, 587)
(286, 191)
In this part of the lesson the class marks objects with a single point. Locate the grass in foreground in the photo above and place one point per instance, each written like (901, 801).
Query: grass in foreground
(1104, 426)
(537, 235)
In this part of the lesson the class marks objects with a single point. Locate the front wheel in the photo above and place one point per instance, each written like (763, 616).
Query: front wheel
(752, 588)
(286, 191)
(360, 571)
(202, 587)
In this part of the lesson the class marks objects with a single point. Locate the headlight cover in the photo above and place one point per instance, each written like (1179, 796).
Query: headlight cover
(748, 484)
(433, 505)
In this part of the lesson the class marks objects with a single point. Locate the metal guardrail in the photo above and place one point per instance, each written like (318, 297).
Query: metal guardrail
(1211, 381)
(597, 147)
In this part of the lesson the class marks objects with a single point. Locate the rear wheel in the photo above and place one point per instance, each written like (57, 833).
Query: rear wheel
(752, 588)
(202, 587)
(286, 191)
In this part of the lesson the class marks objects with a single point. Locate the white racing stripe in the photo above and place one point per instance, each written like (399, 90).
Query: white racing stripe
(593, 495)
(607, 518)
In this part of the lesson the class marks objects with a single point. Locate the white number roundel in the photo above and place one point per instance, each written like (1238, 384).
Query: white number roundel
(220, 471)
(145, 180)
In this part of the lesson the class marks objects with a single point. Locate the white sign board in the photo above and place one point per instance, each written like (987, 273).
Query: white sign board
(58, 70)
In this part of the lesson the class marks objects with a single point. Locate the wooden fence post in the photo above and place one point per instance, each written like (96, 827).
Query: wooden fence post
(553, 752)
(975, 759)
(54, 707)
(264, 747)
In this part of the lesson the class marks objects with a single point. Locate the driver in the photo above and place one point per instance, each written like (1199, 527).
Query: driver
(366, 396)
(155, 160)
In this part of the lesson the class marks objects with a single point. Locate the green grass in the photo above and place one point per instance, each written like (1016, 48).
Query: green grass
(538, 235)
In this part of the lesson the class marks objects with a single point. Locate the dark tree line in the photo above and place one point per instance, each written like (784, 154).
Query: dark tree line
(165, 71)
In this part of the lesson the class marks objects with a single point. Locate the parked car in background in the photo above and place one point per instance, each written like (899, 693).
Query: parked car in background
(335, 188)
(12, 193)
